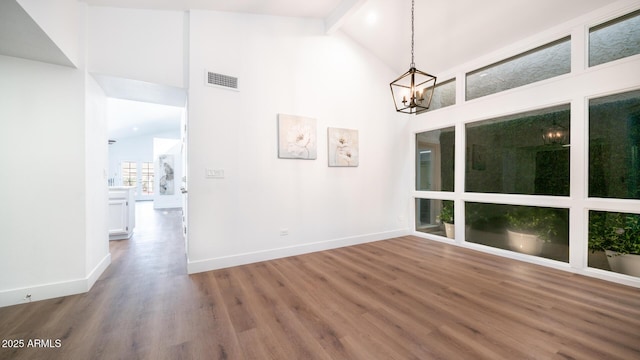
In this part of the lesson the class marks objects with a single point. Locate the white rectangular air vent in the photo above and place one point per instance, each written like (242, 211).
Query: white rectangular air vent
(224, 81)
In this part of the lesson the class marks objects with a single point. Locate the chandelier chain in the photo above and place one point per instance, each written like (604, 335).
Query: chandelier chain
(412, 33)
(412, 91)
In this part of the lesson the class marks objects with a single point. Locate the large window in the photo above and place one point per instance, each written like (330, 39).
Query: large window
(527, 153)
(557, 184)
(435, 160)
(444, 95)
(614, 172)
(615, 39)
(614, 146)
(435, 217)
(538, 64)
(614, 242)
(538, 231)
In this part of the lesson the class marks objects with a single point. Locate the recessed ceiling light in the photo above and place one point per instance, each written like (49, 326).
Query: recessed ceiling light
(372, 18)
(135, 129)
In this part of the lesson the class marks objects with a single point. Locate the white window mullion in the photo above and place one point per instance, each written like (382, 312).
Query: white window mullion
(578, 178)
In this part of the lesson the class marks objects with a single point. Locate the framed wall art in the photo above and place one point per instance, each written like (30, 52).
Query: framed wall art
(343, 147)
(165, 171)
(297, 137)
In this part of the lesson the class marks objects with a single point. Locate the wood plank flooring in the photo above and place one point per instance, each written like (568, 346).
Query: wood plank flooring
(404, 298)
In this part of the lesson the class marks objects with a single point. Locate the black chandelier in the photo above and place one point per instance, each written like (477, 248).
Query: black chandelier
(413, 90)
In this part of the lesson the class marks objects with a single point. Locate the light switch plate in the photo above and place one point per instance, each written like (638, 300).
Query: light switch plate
(214, 173)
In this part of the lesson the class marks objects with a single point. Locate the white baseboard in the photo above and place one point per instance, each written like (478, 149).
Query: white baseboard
(257, 256)
(54, 290)
(98, 270)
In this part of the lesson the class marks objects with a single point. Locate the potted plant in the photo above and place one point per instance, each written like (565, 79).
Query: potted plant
(446, 217)
(618, 235)
(530, 227)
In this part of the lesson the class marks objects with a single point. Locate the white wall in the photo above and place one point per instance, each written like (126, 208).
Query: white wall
(96, 167)
(287, 65)
(137, 44)
(54, 193)
(60, 19)
(97, 238)
(43, 192)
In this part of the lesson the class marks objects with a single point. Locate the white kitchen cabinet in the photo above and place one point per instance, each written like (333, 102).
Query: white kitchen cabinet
(122, 212)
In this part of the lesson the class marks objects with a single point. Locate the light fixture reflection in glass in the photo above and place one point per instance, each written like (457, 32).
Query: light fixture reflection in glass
(555, 134)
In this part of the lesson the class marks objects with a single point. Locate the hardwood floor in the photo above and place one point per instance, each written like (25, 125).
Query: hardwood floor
(405, 298)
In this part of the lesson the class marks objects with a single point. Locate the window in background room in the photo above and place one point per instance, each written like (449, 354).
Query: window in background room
(531, 230)
(129, 173)
(526, 153)
(616, 39)
(435, 153)
(147, 178)
(541, 63)
(614, 146)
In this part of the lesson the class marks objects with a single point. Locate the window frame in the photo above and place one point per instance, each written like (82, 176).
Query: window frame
(575, 88)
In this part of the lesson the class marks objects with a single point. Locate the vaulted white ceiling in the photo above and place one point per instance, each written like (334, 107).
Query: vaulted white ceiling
(297, 8)
(452, 32)
(448, 32)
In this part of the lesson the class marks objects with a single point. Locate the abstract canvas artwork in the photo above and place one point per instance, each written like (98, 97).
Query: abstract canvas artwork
(297, 137)
(165, 171)
(343, 147)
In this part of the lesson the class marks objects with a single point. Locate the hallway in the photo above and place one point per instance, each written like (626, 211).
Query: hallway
(156, 248)
(130, 310)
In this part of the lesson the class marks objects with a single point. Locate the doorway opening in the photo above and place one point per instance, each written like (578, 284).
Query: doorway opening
(147, 147)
